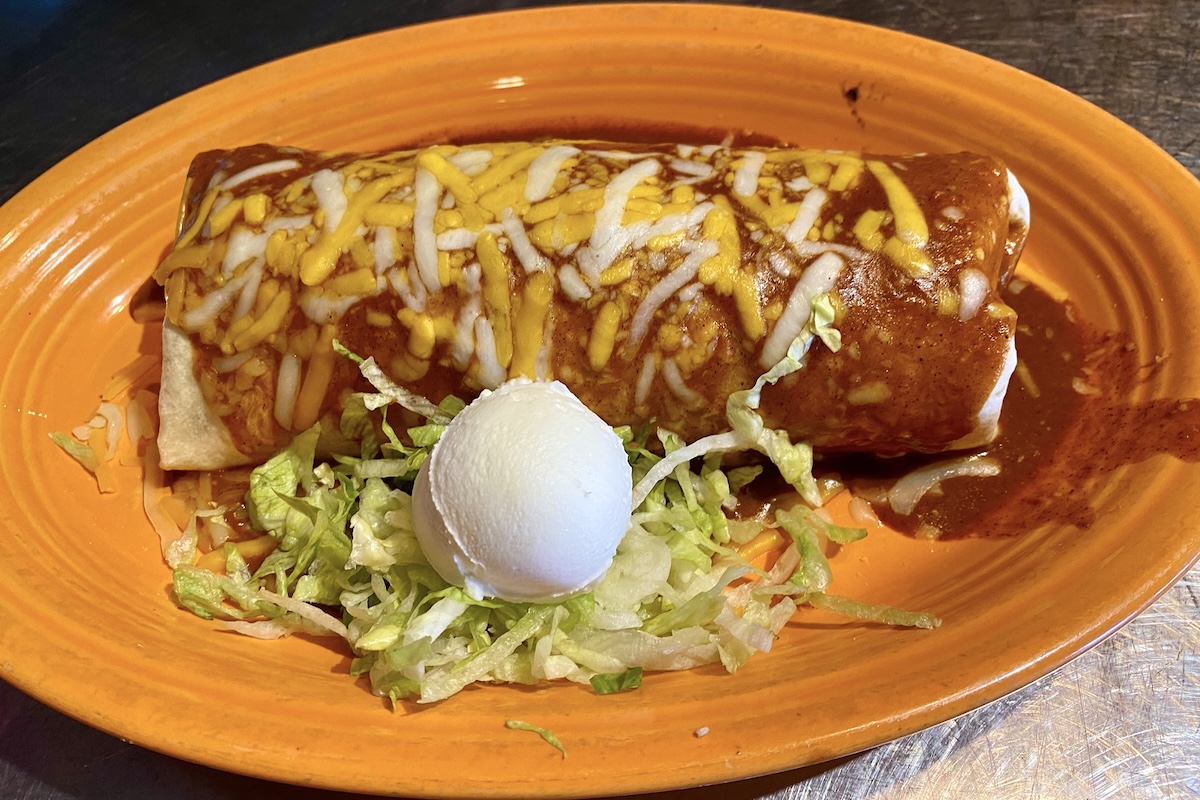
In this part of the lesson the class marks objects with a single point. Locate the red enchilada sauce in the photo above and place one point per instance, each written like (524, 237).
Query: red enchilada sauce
(1068, 421)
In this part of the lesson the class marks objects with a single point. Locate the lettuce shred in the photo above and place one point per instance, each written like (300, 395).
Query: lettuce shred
(678, 594)
(547, 735)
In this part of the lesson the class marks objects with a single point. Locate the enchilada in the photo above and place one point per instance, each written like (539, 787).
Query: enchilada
(653, 280)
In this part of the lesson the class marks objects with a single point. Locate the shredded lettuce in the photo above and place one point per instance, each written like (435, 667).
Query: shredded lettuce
(389, 391)
(79, 451)
(613, 683)
(547, 735)
(677, 595)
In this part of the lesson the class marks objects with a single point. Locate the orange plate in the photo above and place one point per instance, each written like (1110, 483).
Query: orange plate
(88, 624)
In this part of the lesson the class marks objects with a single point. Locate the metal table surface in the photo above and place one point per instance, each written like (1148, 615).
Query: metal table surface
(1121, 721)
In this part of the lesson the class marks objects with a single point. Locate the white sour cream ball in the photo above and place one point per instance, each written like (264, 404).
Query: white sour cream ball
(525, 497)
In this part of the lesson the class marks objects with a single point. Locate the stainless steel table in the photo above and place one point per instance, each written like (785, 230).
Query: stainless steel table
(1122, 721)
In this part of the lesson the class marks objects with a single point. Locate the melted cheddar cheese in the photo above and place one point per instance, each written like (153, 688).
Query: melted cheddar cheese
(485, 259)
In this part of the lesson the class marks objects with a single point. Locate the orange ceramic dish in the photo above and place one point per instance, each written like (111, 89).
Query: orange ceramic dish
(88, 624)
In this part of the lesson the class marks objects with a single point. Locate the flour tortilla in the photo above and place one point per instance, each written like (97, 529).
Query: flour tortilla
(190, 435)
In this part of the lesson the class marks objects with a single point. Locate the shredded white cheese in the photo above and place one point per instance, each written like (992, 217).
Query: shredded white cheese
(817, 279)
(908, 491)
(230, 363)
(463, 345)
(258, 171)
(544, 170)
(491, 374)
(213, 303)
(330, 188)
(614, 155)
(473, 278)
(456, 239)
(287, 223)
(862, 512)
(807, 249)
(471, 162)
(691, 291)
(676, 383)
(529, 256)
(572, 283)
(780, 264)
(463, 238)
(646, 378)
(593, 261)
(693, 168)
(671, 224)
(249, 293)
(384, 248)
(973, 289)
(324, 309)
(81, 432)
(287, 389)
(408, 287)
(428, 194)
(616, 197)
(608, 229)
(800, 184)
(668, 285)
(114, 424)
(242, 246)
(806, 215)
(745, 177)
(137, 423)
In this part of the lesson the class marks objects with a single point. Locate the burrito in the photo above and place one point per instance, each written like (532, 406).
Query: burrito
(653, 280)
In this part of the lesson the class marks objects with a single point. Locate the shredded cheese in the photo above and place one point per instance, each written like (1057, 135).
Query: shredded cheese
(745, 177)
(817, 279)
(667, 286)
(491, 373)
(544, 170)
(973, 288)
(330, 189)
(806, 215)
(287, 389)
(908, 491)
(572, 283)
(526, 253)
(676, 383)
(646, 378)
(463, 346)
(428, 197)
(316, 382)
(603, 336)
(530, 324)
(608, 229)
(259, 171)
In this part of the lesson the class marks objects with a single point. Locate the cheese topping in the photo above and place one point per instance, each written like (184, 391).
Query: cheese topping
(476, 243)
(907, 247)
(544, 169)
(259, 171)
(818, 279)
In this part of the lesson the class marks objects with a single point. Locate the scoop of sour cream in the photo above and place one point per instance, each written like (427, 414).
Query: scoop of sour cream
(525, 497)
